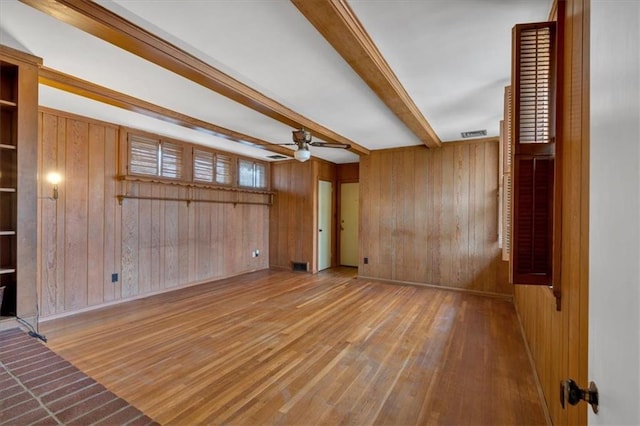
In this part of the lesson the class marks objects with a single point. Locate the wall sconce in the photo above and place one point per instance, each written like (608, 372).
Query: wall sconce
(54, 178)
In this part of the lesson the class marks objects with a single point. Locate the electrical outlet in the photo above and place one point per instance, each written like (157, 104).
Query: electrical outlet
(366, 260)
(257, 252)
(114, 278)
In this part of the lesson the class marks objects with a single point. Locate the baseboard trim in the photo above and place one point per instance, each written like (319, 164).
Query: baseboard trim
(508, 297)
(62, 315)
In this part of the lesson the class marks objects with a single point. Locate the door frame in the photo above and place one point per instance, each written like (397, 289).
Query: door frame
(332, 227)
(339, 211)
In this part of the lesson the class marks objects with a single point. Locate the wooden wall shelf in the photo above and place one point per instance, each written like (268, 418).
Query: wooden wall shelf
(189, 200)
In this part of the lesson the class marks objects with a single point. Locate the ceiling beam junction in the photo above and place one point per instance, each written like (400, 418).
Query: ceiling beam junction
(338, 24)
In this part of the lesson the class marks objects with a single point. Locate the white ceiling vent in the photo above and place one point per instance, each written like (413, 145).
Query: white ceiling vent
(474, 133)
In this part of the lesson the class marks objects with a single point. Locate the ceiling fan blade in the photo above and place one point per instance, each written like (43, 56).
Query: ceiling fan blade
(330, 145)
(290, 143)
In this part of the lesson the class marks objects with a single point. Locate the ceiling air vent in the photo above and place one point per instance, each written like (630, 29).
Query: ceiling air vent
(474, 133)
(277, 157)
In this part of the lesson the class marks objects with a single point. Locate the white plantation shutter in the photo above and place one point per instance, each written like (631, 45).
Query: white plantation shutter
(143, 155)
(224, 171)
(171, 160)
(203, 166)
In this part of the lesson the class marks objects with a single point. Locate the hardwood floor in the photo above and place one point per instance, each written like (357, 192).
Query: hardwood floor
(289, 348)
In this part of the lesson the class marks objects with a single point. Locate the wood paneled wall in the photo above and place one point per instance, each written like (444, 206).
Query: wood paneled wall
(153, 245)
(558, 340)
(294, 214)
(431, 216)
(349, 172)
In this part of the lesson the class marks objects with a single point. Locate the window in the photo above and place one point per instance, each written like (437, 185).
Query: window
(203, 163)
(154, 157)
(150, 156)
(252, 174)
(224, 169)
(171, 160)
(212, 167)
(143, 155)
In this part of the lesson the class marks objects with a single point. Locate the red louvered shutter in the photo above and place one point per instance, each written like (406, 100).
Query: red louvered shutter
(533, 138)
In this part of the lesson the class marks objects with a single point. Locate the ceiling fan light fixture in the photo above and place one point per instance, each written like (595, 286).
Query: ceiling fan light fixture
(302, 154)
(301, 136)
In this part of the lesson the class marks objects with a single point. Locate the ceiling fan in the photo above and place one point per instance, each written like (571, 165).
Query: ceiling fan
(302, 139)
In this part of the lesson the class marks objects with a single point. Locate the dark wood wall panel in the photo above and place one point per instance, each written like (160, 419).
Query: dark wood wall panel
(153, 245)
(431, 216)
(294, 214)
(349, 172)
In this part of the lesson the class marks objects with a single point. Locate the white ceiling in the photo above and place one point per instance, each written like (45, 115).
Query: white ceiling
(453, 58)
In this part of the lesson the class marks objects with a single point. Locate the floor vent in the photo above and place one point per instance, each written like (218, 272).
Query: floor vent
(300, 266)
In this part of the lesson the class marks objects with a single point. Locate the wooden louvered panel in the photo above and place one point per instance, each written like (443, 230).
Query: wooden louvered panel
(507, 160)
(533, 150)
(532, 232)
(203, 166)
(172, 164)
(224, 169)
(507, 196)
(534, 80)
(508, 126)
(143, 155)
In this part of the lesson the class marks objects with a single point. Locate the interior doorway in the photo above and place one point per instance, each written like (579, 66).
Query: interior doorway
(349, 201)
(325, 189)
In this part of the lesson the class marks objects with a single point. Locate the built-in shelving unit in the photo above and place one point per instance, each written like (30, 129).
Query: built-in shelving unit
(18, 189)
(8, 184)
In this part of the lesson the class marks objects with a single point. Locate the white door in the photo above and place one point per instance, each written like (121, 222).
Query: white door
(349, 196)
(614, 212)
(324, 224)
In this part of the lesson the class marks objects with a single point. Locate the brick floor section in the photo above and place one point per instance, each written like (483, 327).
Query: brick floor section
(38, 386)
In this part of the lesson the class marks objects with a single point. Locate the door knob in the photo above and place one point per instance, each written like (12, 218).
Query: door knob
(573, 394)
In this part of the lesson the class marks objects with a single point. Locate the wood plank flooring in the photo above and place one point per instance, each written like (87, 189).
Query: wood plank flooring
(290, 348)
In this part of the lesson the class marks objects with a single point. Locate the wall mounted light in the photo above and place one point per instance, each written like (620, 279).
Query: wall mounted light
(54, 179)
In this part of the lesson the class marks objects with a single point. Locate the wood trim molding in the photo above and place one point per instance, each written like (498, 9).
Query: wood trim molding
(77, 86)
(493, 295)
(337, 23)
(102, 23)
(20, 56)
(495, 139)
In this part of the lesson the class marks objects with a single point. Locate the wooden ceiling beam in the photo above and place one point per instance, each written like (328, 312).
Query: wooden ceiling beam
(338, 24)
(102, 23)
(77, 86)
